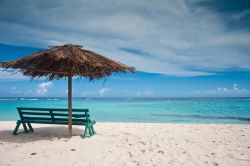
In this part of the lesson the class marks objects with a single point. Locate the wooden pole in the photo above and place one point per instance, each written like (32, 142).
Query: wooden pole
(70, 106)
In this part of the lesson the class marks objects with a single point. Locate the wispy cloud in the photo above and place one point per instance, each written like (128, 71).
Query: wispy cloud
(144, 93)
(95, 93)
(15, 91)
(11, 75)
(104, 91)
(42, 89)
(223, 91)
(89, 93)
(124, 78)
(168, 37)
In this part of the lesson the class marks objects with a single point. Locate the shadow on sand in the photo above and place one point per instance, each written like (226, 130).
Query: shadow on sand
(40, 133)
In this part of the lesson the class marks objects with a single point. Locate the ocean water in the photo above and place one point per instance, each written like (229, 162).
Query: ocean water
(168, 110)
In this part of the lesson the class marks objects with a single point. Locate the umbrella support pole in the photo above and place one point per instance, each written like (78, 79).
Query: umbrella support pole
(70, 106)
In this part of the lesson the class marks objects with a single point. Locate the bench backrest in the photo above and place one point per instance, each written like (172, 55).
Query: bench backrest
(53, 114)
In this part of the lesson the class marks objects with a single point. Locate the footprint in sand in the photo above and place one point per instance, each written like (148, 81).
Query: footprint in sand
(130, 154)
(126, 133)
(141, 142)
(161, 152)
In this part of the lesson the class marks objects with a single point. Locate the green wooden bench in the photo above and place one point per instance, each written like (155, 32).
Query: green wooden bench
(54, 116)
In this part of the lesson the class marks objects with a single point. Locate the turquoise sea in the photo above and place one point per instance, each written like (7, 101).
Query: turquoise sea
(163, 110)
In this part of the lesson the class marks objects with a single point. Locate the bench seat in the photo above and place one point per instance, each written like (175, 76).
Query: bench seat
(57, 122)
(54, 116)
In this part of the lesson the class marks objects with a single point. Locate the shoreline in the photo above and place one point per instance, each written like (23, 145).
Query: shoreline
(177, 123)
(128, 144)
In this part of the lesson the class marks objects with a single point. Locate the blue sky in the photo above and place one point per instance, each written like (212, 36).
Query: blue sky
(179, 48)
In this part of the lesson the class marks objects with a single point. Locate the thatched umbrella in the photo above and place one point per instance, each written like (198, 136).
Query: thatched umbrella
(65, 62)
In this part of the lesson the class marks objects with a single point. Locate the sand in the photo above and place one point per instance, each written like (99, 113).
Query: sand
(128, 144)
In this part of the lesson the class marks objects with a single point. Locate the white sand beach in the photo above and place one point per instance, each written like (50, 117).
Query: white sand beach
(128, 144)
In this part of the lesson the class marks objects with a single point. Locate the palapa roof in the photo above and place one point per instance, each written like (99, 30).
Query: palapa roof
(62, 61)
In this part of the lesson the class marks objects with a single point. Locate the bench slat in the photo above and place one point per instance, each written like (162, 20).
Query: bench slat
(35, 113)
(73, 115)
(51, 109)
(56, 122)
(36, 118)
(55, 119)
(54, 114)
(66, 119)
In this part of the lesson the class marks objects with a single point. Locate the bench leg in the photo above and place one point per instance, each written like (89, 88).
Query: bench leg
(31, 129)
(16, 128)
(90, 132)
(25, 128)
(85, 132)
(88, 129)
(93, 131)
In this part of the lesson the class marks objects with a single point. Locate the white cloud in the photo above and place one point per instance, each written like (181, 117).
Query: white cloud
(145, 92)
(169, 37)
(234, 90)
(10, 75)
(15, 91)
(42, 89)
(42, 92)
(45, 85)
(89, 93)
(20, 92)
(104, 91)
(196, 92)
(126, 79)
(235, 87)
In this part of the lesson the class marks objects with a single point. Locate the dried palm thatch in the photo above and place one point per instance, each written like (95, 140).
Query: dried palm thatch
(61, 61)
